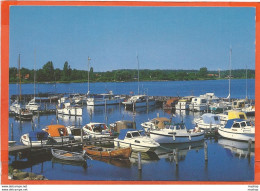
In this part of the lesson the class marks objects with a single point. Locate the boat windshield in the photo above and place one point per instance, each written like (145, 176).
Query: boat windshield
(243, 124)
(136, 134)
(180, 126)
(249, 123)
(241, 116)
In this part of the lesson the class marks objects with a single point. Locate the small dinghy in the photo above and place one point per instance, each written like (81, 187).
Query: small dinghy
(108, 152)
(66, 155)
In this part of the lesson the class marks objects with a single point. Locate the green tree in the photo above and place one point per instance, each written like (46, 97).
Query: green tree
(203, 72)
(48, 72)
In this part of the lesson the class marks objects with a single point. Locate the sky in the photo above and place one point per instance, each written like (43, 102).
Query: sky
(162, 37)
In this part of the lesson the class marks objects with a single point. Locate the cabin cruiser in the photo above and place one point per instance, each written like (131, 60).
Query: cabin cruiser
(198, 104)
(58, 133)
(138, 101)
(35, 138)
(96, 130)
(123, 124)
(177, 133)
(133, 138)
(67, 109)
(182, 104)
(156, 123)
(231, 114)
(76, 133)
(104, 99)
(32, 106)
(238, 129)
(208, 121)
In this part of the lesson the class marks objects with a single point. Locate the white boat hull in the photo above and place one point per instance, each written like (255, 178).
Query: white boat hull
(161, 137)
(236, 136)
(97, 102)
(134, 147)
(138, 104)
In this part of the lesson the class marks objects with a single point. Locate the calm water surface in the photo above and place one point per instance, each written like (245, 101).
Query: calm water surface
(227, 160)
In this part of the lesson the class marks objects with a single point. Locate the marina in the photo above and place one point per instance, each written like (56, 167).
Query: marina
(197, 160)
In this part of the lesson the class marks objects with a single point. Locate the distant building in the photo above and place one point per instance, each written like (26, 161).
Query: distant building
(212, 75)
(27, 76)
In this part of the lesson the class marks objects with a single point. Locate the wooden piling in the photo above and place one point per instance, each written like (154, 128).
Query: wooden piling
(175, 156)
(81, 135)
(139, 161)
(12, 131)
(206, 151)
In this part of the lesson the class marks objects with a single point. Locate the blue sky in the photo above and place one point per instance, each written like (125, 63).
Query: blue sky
(163, 37)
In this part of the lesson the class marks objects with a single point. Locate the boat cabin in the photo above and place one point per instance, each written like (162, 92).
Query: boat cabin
(117, 126)
(236, 115)
(161, 122)
(238, 104)
(128, 133)
(57, 130)
(210, 118)
(96, 127)
(198, 101)
(239, 123)
(38, 135)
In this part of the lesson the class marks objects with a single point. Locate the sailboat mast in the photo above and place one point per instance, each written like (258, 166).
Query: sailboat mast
(246, 81)
(88, 72)
(34, 71)
(138, 76)
(230, 55)
(20, 88)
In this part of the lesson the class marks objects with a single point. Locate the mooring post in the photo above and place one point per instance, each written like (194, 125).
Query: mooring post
(81, 135)
(139, 161)
(206, 151)
(249, 147)
(12, 131)
(176, 153)
(32, 126)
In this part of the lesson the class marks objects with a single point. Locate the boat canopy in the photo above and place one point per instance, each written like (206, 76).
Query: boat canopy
(123, 133)
(231, 122)
(236, 115)
(38, 135)
(211, 118)
(57, 130)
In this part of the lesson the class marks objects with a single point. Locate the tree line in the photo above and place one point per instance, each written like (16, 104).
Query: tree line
(50, 74)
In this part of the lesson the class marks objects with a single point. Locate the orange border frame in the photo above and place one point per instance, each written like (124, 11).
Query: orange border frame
(5, 5)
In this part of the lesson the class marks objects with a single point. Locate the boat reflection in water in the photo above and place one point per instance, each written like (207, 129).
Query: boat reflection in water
(125, 163)
(70, 119)
(168, 151)
(238, 148)
(66, 162)
(146, 157)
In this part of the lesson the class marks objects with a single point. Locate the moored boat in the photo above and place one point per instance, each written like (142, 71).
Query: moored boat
(58, 133)
(132, 138)
(108, 152)
(66, 155)
(35, 138)
(208, 121)
(138, 101)
(156, 123)
(238, 129)
(96, 130)
(177, 133)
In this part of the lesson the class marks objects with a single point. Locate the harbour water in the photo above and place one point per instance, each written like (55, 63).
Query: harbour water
(227, 160)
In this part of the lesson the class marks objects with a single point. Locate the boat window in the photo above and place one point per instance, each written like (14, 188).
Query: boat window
(136, 134)
(236, 125)
(249, 123)
(243, 124)
(241, 116)
(129, 125)
(216, 118)
(203, 101)
(62, 132)
(128, 135)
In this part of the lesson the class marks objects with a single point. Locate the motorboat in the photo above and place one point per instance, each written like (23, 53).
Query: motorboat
(76, 133)
(35, 138)
(133, 138)
(32, 106)
(177, 133)
(208, 121)
(210, 97)
(67, 109)
(122, 124)
(138, 101)
(231, 114)
(23, 114)
(104, 99)
(198, 104)
(66, 155)
(123, 153)
(96, 130)
(182, 105)
(238, 129)
(156, 123)
(58, 133)
(15, 107)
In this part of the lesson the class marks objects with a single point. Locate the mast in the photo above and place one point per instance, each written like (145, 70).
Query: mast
(138, 75)
(88, 73)
(19, 74)
(34, 71)
(246, 82)
(229, 86)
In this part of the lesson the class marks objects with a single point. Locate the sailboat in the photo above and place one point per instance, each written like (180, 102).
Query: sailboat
(32, 105)
(138, 100)
(16, 108)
